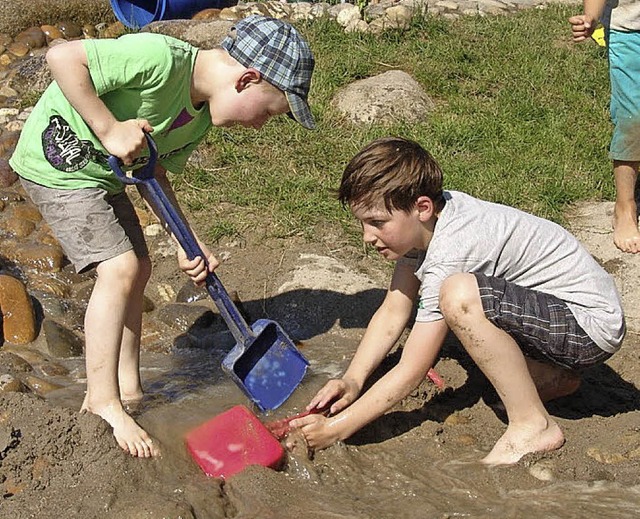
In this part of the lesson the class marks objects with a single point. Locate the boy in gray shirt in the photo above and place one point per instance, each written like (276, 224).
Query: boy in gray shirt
(526, 300)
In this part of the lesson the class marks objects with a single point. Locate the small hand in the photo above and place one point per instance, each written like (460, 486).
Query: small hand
(126, 140)
(196, 268)
(582, 27)
(342, 392)
(318, 431)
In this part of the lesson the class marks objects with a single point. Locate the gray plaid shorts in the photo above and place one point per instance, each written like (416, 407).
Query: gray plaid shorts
(541, 324)
(91, 225)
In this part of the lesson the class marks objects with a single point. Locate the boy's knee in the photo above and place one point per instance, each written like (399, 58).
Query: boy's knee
(126, 269)
(459, 295)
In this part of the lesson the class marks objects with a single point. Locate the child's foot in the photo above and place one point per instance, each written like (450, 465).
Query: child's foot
(517, 441)
(625, 229)
(132, 438)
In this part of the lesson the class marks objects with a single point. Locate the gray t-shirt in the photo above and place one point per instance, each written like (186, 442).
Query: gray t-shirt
(472, 235)
(622, 15)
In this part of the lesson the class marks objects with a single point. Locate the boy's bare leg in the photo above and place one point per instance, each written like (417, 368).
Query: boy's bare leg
(104, 324)
(625, 217)
(129, 363)
(530, 428)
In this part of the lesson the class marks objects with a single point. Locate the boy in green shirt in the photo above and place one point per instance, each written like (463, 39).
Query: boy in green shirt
(106, 95)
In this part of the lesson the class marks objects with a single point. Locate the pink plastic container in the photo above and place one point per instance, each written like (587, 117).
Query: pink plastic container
(231, 441)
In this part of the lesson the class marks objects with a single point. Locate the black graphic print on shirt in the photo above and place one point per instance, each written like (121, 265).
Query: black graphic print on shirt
(64, 150)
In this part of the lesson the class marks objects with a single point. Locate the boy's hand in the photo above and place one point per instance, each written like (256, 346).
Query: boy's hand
(342, 392)
(318, 431)
(126, 140)
(196, 269)
(582, 27)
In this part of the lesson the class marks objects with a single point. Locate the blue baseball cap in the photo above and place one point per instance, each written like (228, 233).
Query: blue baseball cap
(276, 50)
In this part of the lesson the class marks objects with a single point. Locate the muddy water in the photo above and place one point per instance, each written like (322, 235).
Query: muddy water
(401, 476)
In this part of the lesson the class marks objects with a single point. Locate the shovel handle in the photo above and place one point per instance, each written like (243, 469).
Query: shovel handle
(145, 176)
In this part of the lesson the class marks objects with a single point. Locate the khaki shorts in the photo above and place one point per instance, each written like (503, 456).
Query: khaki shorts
(91, 225)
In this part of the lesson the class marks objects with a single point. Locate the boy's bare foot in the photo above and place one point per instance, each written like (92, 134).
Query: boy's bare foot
(552, 381)
(517, 441)
(625, 229)
(132, 438)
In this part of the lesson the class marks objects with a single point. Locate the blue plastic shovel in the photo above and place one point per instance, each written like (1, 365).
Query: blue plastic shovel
(264, 362)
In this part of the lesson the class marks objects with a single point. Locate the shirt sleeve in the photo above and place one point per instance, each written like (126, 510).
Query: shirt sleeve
(123, 62)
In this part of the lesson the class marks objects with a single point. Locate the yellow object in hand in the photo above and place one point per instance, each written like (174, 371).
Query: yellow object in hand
(598, 36)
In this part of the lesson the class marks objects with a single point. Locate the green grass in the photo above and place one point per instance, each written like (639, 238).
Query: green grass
(521, 118)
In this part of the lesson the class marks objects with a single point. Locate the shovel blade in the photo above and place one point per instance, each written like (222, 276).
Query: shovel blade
(268, 367)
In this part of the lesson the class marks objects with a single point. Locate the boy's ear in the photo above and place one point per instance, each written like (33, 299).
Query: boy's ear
(249, 76)
(425, 207)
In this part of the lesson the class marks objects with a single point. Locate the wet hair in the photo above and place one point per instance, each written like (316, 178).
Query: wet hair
(394, 170)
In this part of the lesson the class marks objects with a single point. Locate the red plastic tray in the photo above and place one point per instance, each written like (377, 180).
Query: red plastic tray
(231, 441)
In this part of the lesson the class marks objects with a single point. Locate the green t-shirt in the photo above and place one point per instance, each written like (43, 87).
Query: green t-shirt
(137, 76)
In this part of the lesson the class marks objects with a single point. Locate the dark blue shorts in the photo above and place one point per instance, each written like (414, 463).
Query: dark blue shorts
(541, 324)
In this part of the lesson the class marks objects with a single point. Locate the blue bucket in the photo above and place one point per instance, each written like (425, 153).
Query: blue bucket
(138, 13)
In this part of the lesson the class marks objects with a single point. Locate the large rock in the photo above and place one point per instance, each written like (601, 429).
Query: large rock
(39, 256)
(385, 98)
(204, 34)
(31, 75)
(61, 342)
(18, 317)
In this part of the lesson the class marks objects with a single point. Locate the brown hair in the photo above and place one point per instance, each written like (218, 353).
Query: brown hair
(394, 170)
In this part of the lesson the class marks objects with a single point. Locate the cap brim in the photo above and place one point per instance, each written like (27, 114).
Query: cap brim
(300, 110)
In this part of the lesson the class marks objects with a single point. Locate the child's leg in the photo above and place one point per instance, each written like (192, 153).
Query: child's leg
(129, 362)
(95, 228)
(496, 353)
(625, 219)
(624, 74)
(104, 324)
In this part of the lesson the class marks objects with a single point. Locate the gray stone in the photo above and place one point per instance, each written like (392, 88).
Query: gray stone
(205, 34)
(320, 11)
(385, 98)
(10, 384)
(13, 363)
(185, 316)
(348, 14)
(31, 75)
(399, 16)
(61, 342)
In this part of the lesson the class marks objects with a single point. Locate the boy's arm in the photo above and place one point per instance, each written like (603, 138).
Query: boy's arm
(418, 355)
(196, 268)
(69, 68)
(583, 25)
(384, 329)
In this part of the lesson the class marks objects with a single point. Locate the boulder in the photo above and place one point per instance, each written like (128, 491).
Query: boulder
(18, 317)
(386, 98)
